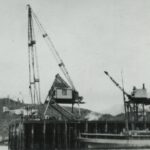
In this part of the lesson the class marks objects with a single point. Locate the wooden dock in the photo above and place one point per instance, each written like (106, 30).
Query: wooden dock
(60, 135)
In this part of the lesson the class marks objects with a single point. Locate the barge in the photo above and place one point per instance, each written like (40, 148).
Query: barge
(116, 141)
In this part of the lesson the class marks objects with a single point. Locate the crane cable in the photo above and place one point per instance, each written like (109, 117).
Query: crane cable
(54, 51)
(37, 76)
(117, 84)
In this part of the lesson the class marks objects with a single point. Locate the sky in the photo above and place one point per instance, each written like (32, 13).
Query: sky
(91, 36)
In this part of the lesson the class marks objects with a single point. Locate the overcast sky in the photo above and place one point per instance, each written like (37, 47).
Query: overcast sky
(90, 35)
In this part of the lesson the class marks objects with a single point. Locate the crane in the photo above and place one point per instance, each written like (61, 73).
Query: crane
(137, 98)
(124, 99)
(33, 61)
(117, 84)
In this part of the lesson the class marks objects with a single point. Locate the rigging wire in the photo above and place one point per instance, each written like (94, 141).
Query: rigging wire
(54, 51)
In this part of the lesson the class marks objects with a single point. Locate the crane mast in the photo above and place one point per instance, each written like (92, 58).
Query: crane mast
(34, 80)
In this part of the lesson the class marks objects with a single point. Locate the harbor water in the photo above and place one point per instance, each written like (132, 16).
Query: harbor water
(6, 148)
(3, 147)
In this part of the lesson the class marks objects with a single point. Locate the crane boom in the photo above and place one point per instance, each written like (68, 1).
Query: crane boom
(117, 84)
(54, 51)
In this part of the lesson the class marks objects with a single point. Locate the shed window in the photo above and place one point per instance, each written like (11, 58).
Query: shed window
(64, 92)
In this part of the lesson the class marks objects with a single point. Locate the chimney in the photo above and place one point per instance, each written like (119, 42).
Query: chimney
(134, 88)
(143, 86)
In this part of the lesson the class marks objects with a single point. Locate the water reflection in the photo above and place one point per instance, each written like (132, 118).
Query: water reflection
(3, 147)
(6, 148)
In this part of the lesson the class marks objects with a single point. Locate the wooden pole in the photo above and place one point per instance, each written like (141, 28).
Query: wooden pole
(72, 108)
(106, 127)
(144, 121)
(54, 135)
(23, 136)
(137, 111)
(44, 136)
(75, 136)
(32, 136)
(132, 116)
(66, 137)
(86, 126)
(124, 101)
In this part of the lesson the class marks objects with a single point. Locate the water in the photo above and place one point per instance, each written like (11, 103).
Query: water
(3, 147)
(121, 149)
(6, 148)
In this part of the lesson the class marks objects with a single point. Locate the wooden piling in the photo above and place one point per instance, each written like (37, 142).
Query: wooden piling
(66, 136)
(32, 137)
(54, 135)
(44, 134)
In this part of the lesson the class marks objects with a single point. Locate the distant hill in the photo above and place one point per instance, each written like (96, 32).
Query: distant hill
(5, 118)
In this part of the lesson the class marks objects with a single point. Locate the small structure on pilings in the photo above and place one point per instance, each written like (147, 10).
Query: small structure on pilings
(134, 105)
(135, 135)
(61, 93)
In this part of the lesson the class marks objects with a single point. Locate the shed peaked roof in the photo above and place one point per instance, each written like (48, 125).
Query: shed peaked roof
(59, 82)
